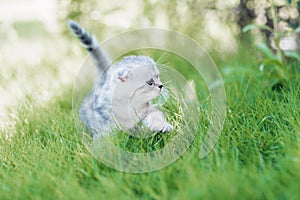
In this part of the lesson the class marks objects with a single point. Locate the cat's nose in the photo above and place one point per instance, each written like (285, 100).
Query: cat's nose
(160, 86)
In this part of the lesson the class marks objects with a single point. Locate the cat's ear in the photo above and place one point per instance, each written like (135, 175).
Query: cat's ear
(124, 75)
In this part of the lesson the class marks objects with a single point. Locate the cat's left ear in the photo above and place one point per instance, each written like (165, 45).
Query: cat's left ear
(124, 75)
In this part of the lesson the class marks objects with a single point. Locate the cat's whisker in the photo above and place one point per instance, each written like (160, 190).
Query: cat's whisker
(167, 82)
(162, 67)
(163, 70)
(163, 56)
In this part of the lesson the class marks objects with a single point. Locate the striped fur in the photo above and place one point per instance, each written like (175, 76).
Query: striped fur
(91, 44)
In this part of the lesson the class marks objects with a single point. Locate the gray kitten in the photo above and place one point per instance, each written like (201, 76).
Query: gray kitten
(122, 96)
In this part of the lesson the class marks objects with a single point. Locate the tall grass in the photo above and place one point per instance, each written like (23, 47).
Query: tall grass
(256, 157)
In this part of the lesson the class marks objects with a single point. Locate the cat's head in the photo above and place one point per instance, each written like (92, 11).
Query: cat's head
(140, 78)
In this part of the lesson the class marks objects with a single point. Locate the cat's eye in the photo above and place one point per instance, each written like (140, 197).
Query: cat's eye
(151, 82)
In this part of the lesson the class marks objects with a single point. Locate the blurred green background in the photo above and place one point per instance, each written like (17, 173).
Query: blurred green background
(34, 35)
(255, 44)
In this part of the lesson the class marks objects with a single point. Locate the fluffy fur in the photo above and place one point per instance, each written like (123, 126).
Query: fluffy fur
(123, 94)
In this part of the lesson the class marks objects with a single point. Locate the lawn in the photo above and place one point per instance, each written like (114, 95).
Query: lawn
(257, 155)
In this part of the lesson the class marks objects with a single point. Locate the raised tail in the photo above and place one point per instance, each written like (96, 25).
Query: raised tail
(101, 59)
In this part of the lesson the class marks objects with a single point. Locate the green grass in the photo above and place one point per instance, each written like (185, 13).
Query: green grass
(256, 157)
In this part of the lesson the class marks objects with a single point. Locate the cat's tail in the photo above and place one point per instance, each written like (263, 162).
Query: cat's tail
(101, 59)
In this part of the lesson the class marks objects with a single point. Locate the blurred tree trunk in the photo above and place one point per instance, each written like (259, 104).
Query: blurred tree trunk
(245, 15)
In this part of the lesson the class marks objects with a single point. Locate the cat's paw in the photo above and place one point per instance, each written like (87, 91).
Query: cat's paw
(166, 128)
(159, 126)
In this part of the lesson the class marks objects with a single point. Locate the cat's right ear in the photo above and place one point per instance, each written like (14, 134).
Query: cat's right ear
(124, 75)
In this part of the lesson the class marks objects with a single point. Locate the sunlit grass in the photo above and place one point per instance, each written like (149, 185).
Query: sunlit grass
(256, 157)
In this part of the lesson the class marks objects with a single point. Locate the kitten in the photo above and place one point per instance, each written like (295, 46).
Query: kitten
(122, 96)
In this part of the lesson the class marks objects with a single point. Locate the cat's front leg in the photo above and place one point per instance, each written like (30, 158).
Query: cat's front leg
(155, 121)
